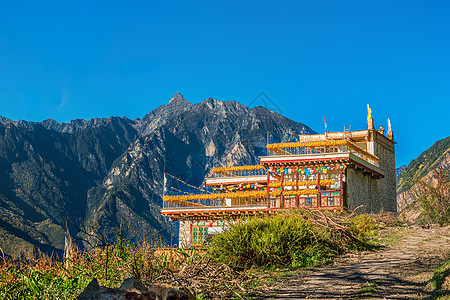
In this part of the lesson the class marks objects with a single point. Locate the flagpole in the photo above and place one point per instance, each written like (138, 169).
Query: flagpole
(164, 180)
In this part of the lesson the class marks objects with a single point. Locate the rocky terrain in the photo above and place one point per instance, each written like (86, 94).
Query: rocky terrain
(107, 173)
(399, 170)
(437, 157)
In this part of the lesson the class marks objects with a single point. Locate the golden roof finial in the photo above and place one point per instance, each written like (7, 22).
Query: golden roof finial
(369, 117)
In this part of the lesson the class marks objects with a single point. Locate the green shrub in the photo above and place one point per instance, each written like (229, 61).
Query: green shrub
(296, 239)
(440, 282)
(434, 197)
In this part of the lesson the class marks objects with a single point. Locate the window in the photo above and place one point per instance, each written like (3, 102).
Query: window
(199, 234)
(195, 236)
(308, 202)
(330, 201)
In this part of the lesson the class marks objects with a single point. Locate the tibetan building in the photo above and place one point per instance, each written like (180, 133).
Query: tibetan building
(333, 171)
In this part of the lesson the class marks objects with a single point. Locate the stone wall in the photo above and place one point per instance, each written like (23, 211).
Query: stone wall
(384, 149)
(374, 194)
(185, 234)
(363, 190)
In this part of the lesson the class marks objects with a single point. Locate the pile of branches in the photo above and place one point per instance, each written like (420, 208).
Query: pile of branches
(212, 279)
(345, 227)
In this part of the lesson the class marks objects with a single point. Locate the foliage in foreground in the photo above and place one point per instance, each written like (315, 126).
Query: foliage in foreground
(440, 282)
(296, 239)
(434, 197)
(46, 277)
(299, 239)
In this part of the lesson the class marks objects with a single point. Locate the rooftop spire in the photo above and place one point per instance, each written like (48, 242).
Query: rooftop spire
(369, 117)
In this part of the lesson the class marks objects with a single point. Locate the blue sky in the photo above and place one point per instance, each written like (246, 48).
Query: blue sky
(83, 59)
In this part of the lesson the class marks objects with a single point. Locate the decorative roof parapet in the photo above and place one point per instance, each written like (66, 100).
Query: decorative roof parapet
(237, 168)
(184, 199)
(346, 143)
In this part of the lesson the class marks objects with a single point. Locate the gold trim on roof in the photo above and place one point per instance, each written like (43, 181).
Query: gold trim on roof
(237, 168)
(276, 147)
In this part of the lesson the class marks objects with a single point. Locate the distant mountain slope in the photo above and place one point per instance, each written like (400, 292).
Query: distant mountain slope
(109, 171)
(399, 170)
(436, 157)
(45, 175)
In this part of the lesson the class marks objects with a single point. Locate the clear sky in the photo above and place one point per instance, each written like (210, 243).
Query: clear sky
(83, 59)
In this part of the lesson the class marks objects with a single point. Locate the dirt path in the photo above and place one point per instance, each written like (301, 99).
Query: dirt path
(401, 271)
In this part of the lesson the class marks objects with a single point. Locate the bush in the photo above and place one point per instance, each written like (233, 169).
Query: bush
(363, 226)
(296, 239)
(434, 197)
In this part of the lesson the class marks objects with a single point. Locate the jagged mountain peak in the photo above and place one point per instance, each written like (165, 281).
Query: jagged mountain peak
(212, 100)
(81, 124)
(220, 107)
(177, 98)
(162, 113)
(75, 125)
(4, 120)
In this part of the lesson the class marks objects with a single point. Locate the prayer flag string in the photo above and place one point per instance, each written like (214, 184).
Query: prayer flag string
(190, 185)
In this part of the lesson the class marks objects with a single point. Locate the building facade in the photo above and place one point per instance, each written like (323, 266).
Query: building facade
(333, 171)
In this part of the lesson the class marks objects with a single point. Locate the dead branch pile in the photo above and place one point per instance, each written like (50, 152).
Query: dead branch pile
(212, 279)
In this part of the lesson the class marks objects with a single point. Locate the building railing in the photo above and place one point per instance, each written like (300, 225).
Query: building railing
(238, 171)
(294, 184)
(277, 200)
(232, 199)
(263, 203)
(323, 147)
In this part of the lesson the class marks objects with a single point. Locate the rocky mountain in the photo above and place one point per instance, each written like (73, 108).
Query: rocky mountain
(107, 173)
(399, 170)
(437, 157)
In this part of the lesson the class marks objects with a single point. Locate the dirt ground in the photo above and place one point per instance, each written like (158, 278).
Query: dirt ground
(400, 271)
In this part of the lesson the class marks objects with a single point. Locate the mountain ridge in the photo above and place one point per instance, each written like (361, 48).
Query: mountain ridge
(437, 157)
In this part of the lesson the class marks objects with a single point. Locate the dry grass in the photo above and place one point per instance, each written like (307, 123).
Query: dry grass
(46, 277)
